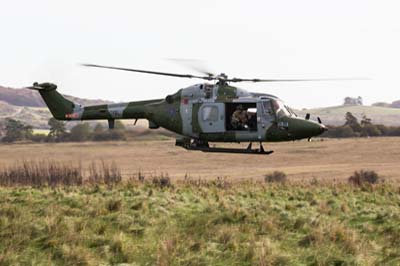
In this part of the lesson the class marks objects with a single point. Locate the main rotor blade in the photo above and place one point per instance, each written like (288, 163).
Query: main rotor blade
(291, 80)
(150, 72)
(195, 64)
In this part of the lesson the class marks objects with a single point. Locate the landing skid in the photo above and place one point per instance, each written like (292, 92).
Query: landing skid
(204, 147)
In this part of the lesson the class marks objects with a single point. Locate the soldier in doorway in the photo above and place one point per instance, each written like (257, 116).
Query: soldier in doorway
(239, 118)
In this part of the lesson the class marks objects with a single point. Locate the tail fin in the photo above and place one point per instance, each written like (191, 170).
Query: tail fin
(59, 107)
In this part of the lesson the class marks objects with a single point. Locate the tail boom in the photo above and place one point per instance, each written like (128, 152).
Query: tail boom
(63, 109)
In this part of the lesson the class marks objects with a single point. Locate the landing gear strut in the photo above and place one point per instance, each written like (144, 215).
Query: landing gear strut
(260, 150)
(201, 145)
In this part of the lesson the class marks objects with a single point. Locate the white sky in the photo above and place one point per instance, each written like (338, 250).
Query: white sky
(44, 40)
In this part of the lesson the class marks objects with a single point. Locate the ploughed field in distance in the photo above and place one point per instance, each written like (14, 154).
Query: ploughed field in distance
(328, 159)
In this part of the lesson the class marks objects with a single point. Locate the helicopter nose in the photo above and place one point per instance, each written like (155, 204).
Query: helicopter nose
(323, 128)
(313, 129)
(317, 129)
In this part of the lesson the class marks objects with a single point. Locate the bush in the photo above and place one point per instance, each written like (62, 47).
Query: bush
(370, 131)
(161, 181)
(39, 138)
(393, 131)
(340, 132)
(364, 177)
(114, 134)
(276, 177)
(80, 132)
(16, 130)
(57, 130)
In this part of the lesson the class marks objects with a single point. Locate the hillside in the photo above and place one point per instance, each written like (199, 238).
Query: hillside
(335, 115)
(30, 98)
(35, 116)
(27, 106)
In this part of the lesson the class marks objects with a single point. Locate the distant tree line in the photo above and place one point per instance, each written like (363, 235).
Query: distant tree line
(364, 128)
(353, 101)
(14, 130)
(395, 104)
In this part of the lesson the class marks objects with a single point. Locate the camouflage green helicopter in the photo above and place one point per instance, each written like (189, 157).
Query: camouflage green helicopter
(201, 113)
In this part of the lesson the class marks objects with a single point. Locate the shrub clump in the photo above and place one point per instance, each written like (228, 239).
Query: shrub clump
(162, 181)
(364, 177)
(275, 177)
(113, 205)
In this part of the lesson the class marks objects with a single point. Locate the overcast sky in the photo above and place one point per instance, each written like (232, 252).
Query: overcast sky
(44, 40)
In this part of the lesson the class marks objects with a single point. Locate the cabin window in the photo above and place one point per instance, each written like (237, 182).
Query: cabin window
(210, 113)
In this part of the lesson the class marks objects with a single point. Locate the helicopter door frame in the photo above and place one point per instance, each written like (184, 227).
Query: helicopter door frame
(211, 118)
(265, 116)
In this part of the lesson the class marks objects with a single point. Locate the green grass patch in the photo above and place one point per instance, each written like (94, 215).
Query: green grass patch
(201, 224)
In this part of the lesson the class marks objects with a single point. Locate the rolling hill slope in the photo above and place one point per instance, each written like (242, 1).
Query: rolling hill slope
(30, 98)
(27, 106)
(336, 115)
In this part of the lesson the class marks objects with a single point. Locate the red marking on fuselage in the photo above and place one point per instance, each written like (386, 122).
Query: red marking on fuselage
(73, 115)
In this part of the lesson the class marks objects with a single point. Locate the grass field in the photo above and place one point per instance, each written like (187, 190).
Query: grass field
(316, 218)
(213, 223)
(328, 159)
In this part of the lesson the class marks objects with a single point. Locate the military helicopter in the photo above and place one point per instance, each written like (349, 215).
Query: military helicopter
(202, 113)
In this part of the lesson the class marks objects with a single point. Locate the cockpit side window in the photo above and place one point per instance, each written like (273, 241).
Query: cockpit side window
(290, 110)
(268, 107)
(279, 108)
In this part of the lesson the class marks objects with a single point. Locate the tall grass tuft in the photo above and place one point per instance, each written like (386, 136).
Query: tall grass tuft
(108, 174)
(275, 177)
(51, 173)
(111, 173)
(41, 173)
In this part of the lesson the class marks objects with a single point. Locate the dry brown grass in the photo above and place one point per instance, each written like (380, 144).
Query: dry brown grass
(52, 173)
(329, 159)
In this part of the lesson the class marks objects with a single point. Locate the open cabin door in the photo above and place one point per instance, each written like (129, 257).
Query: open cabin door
(208, 118)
